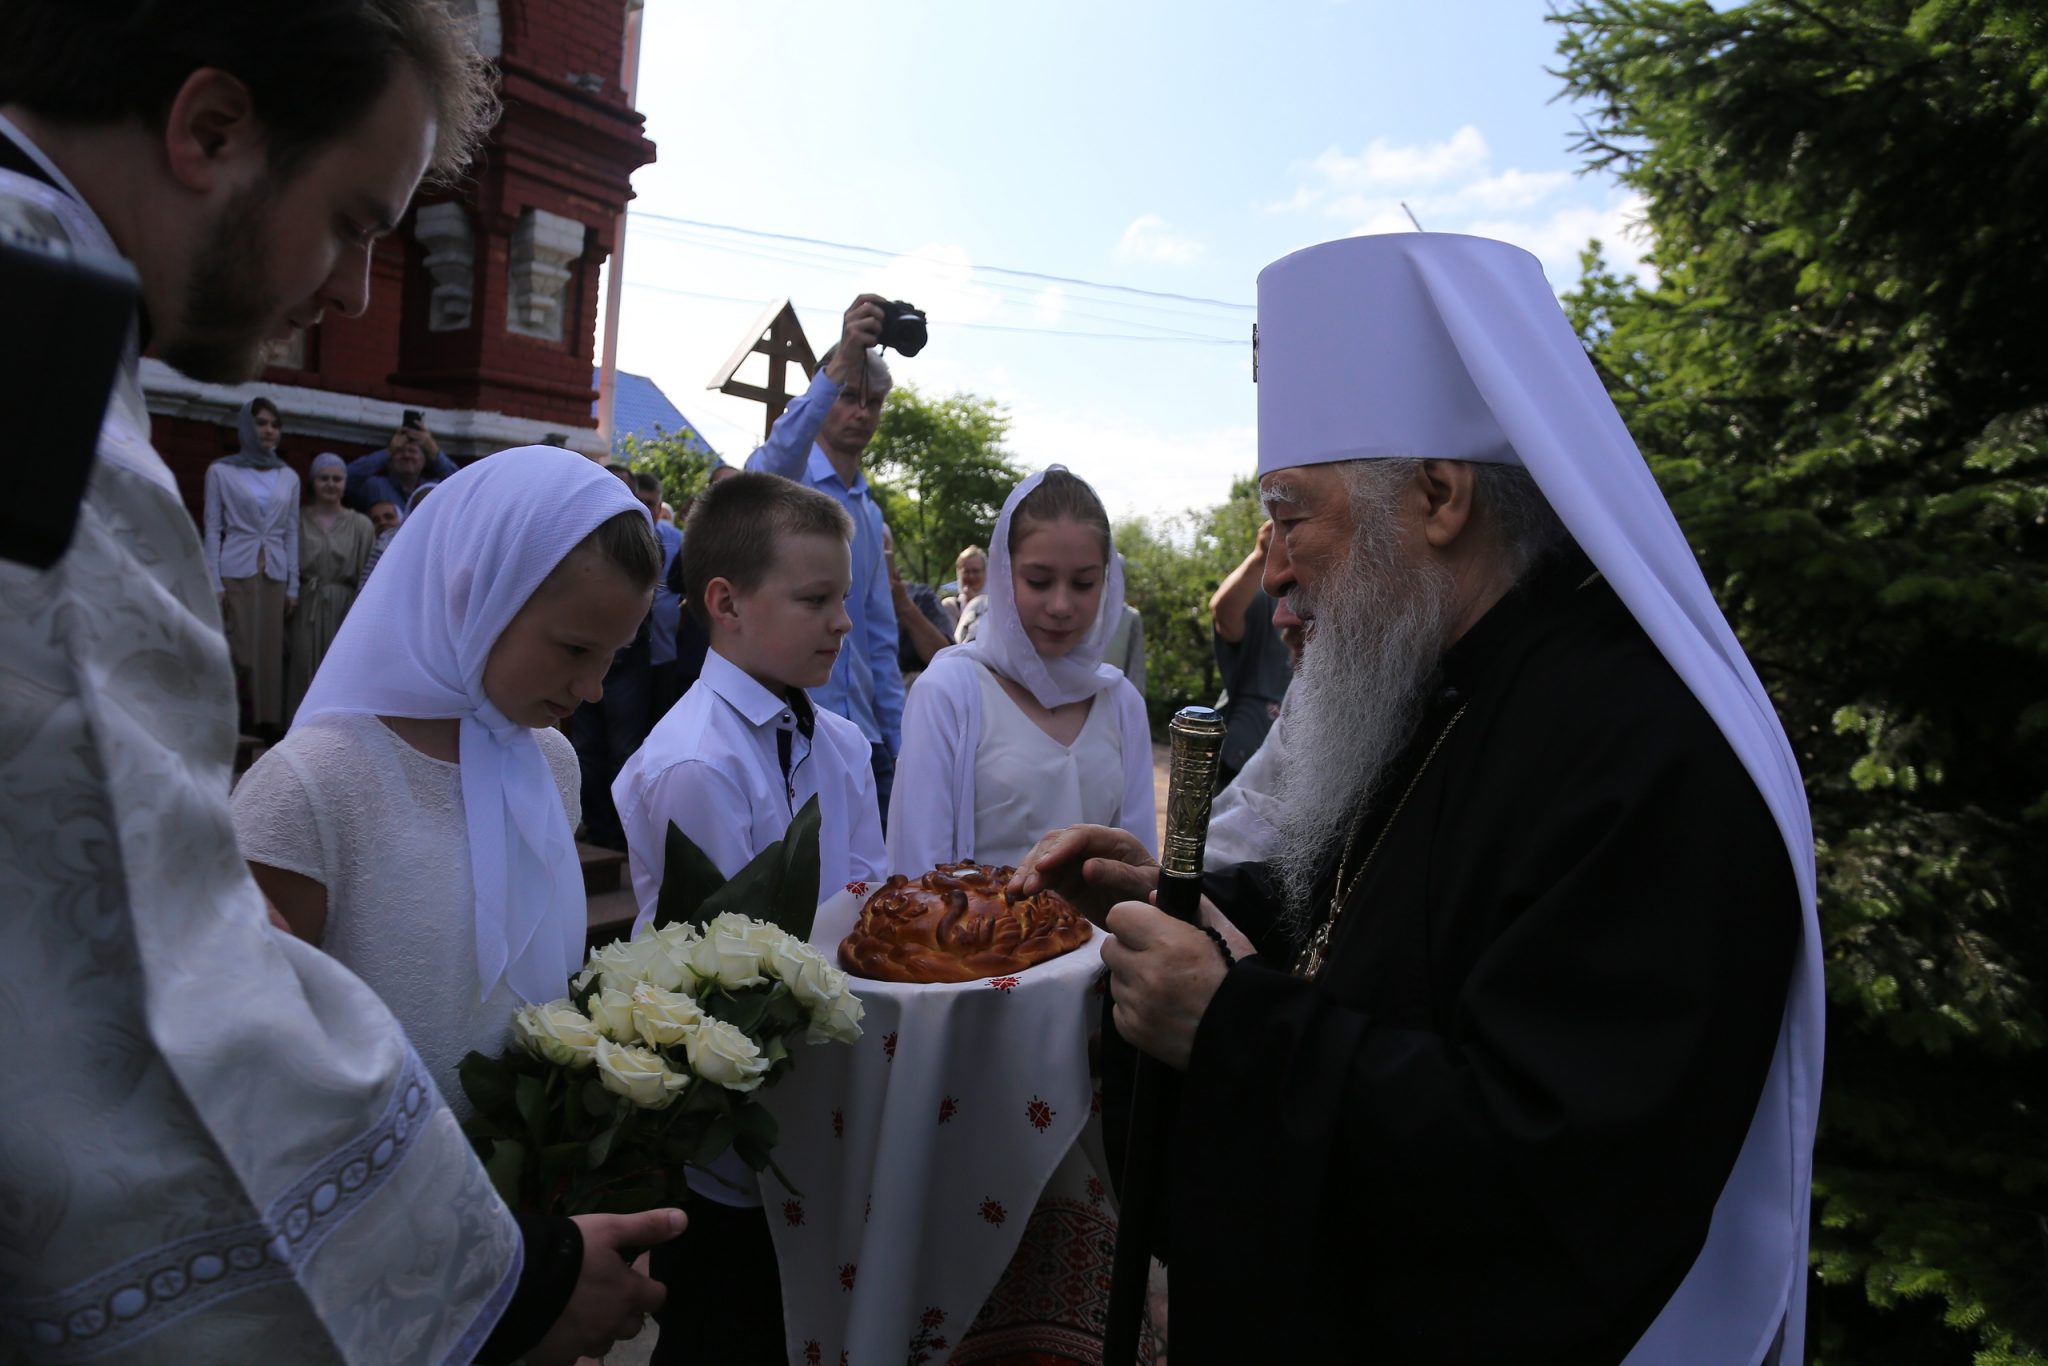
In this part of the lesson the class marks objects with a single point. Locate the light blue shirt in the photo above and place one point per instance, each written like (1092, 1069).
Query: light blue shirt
(668, 608)
(866, 686)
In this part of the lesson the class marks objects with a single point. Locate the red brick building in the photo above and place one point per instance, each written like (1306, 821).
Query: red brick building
(483, 305)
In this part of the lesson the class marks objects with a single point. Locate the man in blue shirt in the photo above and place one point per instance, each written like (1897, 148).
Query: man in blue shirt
(818, 441)
(410, 458)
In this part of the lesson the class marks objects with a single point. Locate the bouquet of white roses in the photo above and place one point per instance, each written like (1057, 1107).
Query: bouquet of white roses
(649, 1064)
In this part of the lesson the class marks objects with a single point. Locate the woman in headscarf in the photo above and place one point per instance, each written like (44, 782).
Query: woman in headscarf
(334, 553)
(416, 822)
(252, 555)
(1022, 730)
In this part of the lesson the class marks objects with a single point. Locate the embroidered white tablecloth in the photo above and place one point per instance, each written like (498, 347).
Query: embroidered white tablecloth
(921, 1149)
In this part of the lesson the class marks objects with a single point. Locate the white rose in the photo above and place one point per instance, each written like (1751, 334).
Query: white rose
(723, 1055)
(725, 955)
(557, 1032)
(638, 1074)
(663, 1017)
(783, 956)
(816, 981)
(611, 1010)
(650, 958)
(836, 1019)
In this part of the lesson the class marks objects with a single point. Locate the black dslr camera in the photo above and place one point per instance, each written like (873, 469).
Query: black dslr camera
(903, 328)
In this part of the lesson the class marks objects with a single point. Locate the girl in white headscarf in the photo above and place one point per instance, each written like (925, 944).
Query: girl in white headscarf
(1020, 731)
(250, 531)
(416, 822)
(1024, 729)
(334, 554)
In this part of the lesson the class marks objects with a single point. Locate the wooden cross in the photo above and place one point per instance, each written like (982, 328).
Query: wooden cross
(777, 335)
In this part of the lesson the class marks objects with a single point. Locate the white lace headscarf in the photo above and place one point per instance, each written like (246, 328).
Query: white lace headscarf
(1439, 346)
(1000, 640)
(415, 644)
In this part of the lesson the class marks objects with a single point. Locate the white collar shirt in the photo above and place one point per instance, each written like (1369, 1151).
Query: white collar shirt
(712, 766)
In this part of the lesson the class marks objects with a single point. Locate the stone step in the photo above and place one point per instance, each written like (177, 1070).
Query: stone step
(604, 870)
(611, 917)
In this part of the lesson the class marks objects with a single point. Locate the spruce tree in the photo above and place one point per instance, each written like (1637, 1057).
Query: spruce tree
(1839, 376)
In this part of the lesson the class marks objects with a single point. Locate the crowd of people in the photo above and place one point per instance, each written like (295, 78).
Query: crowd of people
(287, 558)
(1499, 1040)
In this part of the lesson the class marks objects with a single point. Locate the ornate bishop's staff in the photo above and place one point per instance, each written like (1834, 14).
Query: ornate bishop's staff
(1197, 739)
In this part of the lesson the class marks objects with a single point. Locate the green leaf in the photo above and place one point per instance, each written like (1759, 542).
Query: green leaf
(532, 1095)
(506, 1164)
(755, 1122)
(489, 1084)
(689, 879)
(796, 906)
(716, 1137)
(780, 884)
(742, 1009)
(600, 1147)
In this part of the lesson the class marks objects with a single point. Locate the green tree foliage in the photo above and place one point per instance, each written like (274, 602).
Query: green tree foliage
(941, 474)
(1171, 567)
(1837, 377)
(680, 458)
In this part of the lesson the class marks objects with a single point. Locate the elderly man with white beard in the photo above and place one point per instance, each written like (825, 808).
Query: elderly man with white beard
(1512, 1051)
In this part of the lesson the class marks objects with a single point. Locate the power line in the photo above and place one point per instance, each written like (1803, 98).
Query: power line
(998, 270)
(805, 260)
(818, 261)
(973, 327)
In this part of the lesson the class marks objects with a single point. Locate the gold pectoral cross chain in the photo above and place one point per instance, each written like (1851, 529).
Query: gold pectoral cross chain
(1311, 961)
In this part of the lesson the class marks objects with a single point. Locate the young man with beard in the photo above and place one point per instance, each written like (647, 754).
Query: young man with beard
(1519, 1056)
(218, 1144)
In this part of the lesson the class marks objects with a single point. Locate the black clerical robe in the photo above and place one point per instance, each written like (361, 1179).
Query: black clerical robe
(1495, 1128)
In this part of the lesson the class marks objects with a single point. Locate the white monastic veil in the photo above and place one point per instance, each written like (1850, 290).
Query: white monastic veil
(415, 644)
(1430, 345)
(1001, 644)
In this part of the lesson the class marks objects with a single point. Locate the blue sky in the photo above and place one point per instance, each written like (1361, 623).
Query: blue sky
(1168, 148)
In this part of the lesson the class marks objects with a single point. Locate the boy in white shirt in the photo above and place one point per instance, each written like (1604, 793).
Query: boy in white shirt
(767, 566)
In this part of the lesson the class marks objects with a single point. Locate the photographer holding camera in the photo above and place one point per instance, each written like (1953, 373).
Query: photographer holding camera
(410, 458)
(818, 441)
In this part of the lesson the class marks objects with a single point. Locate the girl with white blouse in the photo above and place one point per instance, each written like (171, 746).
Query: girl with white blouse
(252, 556)
(1024, 729)
(416, 822)
(1020, 731)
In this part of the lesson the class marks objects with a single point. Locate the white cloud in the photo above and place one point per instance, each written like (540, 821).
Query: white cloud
(1557, 238)
(1383, 166)
(1148, 239)
(1511, 189)
(1049, 304)
(939, 279)
(1139, 471)
(1452, 186)
(1383, 218)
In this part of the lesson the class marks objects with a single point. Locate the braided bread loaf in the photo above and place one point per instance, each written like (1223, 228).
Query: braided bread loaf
(956, 923)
